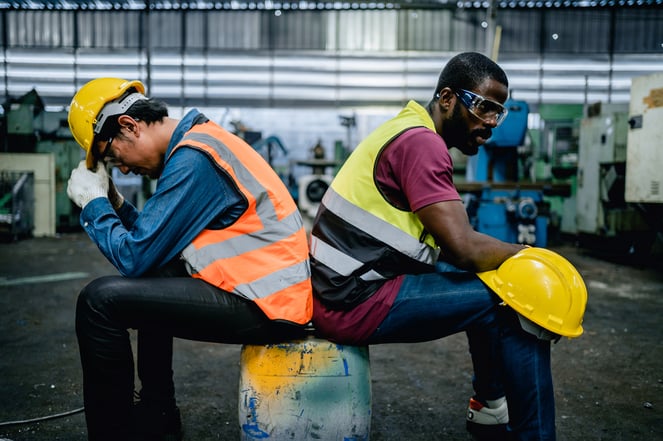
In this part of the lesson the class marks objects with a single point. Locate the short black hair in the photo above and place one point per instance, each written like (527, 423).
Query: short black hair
(148, 110)
(467, 70)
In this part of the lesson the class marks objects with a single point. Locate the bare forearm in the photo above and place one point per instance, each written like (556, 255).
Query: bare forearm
(460, 244)
(480, 252)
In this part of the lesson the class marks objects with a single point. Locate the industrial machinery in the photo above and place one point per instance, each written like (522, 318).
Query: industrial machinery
(276, 155)
(644, 159)
(556, 162)
(313, 186)
(497, 203)
(31, 128)
(16, 204)
(273, 151)
(513, 215)
(601, 207)
(620, 188)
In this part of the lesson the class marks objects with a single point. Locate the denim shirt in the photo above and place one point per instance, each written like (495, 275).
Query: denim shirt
(192, 193)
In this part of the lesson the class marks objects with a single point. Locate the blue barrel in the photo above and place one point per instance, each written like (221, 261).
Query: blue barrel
(309, 389)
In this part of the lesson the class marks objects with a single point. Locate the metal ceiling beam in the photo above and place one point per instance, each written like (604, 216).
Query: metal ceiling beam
(316, 5)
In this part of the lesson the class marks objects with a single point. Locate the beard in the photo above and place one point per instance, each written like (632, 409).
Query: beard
(457, 133)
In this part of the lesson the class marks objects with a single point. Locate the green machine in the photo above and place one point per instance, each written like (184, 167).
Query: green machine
(556, 160)
(31, 128)
(56, 138)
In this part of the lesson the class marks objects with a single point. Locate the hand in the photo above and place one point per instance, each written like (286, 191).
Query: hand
(85, 185)
(115, 197)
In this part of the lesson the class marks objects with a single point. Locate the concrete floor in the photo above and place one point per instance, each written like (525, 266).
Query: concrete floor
(609, 382)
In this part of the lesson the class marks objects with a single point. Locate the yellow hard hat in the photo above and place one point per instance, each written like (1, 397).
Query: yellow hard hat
(94, 103)
(543, 287)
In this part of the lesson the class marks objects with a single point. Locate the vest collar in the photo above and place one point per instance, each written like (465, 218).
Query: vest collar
(415, 108)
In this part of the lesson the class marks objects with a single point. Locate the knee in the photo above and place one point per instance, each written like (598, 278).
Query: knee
(95, 301)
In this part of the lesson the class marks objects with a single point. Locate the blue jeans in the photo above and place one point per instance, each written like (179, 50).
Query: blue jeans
(507, 360)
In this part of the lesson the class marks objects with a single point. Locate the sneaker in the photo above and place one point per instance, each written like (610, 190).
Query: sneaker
(154, 422)
(487, 423)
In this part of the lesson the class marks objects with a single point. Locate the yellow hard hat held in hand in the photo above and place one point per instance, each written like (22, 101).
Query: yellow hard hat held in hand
(544, 288)
(94, 103)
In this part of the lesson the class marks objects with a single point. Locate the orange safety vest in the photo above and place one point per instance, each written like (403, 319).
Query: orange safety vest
(263, 256)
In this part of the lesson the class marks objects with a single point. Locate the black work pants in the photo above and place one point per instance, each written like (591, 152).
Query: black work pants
(160, 309)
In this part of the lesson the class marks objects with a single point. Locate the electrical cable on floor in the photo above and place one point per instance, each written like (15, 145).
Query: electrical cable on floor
(44, 418)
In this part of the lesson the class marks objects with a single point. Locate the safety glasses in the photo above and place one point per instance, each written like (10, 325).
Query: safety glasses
(483, 108)
(108, 157)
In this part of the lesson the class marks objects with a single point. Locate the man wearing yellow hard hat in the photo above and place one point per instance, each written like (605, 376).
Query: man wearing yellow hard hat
(218, 253)
(394, 258)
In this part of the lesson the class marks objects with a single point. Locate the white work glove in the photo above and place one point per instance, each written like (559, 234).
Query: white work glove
(85, 185)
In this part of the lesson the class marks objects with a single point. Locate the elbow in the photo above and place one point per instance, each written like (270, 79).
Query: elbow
(131, 270)
(471, 258)
(462, 261)
(131, 263)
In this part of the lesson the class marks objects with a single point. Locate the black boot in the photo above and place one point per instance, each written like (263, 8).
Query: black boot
(156, 421)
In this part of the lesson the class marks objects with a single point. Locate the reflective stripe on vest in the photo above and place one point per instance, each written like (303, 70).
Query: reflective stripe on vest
(338, 261)
(263, 256)
(379, 229)
(360, 239)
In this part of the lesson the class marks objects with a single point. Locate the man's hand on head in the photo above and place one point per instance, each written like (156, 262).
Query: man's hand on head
(85, 185)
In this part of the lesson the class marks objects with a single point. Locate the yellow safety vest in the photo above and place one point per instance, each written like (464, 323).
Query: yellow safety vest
(360, 240)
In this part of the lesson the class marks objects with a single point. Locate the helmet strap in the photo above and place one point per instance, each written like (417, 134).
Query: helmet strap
(538, 331)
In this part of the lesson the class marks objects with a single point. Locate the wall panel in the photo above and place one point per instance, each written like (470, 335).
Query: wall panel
(325, 58)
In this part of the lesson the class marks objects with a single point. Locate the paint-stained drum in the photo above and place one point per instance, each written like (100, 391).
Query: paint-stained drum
(304, 390)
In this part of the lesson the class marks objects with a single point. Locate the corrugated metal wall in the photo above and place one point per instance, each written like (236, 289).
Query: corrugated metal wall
(326, 57)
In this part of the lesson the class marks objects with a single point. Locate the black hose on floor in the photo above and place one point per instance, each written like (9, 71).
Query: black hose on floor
(44, 418)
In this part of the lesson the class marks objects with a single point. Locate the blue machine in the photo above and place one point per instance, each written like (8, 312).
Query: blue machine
(504, 209)
(497, 160)
(513, 216)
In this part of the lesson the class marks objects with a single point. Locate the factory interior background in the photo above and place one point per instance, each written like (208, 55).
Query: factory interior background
(306, 81)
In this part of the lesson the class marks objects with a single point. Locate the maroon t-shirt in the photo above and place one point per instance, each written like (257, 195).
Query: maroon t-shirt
(414, 171)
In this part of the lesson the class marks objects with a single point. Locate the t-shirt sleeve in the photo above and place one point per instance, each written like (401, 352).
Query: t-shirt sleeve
(416, 170)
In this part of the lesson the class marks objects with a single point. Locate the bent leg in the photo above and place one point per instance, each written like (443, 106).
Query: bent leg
(155, 367)
(527, 381)
(107, 362)
(485, 350)
(435, 305)
(160, 308)
(506, 359)
(432, 306)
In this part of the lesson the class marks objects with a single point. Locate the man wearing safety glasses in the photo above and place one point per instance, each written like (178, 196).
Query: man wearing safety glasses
(218, 253)
(394, 257)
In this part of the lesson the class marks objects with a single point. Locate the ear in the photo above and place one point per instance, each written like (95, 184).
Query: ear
(447, 99)
(128, 123)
